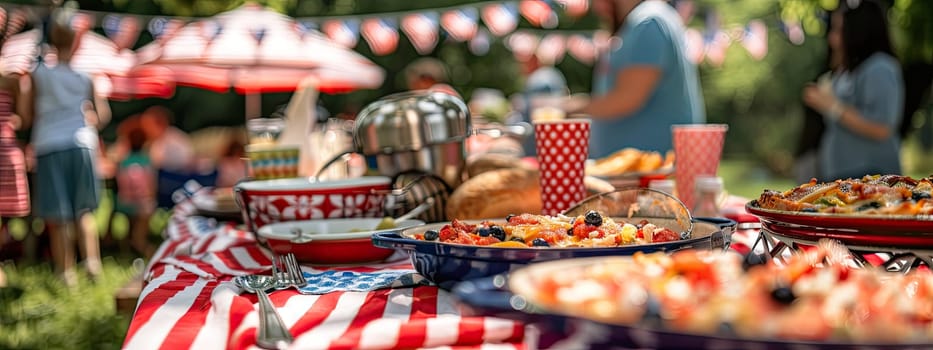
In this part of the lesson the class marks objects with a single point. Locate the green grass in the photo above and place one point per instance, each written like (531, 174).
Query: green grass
(747, 179)
(37, 311)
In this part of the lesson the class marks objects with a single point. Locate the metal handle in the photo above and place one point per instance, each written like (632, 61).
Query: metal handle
(330, 162)
(272, 331)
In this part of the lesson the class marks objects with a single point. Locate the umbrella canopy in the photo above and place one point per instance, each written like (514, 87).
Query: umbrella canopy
(96, 56)
(254, 50)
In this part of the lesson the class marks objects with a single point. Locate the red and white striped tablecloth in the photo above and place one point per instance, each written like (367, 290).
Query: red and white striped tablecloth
(189, 302)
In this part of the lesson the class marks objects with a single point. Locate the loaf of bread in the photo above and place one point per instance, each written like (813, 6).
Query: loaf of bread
(497, 193)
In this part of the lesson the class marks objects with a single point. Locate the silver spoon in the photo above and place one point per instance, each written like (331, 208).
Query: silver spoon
(272, 331)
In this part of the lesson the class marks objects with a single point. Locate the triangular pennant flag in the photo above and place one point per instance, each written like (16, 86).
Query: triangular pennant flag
(343, 32)
(82, 22)
(304, 27)
(538, 13)
(575, 8)
(794, 32)
(755, 39)
(551, 49)
(581, 48)
(156, 27)
(522, 44)
(16, 22)
(111, 25)
(460, 24)
(693, 40)
(381, 35)
(716, 46)
(501, 19)
(422, 31)
(127, 33)
(2, 19)
(480, 44)
(686, 9)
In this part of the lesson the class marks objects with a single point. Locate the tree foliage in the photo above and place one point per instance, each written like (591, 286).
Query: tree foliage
(760, 100)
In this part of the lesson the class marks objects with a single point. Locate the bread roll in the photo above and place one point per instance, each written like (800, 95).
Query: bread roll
(497, 193)
(482, 163)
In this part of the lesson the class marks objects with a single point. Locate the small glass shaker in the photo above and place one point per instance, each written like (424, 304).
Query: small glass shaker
(708, 196)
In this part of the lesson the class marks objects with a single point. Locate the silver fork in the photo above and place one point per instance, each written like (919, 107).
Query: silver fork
(280, 272)
(293, 271)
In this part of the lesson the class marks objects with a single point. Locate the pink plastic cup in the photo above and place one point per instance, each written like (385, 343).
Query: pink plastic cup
(697, 151)
(562, 147)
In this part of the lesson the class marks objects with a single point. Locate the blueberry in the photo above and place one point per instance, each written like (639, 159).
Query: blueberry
(593, 218)
(482, 232)
(570, 231)
(808, 210)
(509, 217)
(517, 239)
(431, 235)
(752, 259)
(916, 195)
(539, 242)
(783, 295)
(498, 232)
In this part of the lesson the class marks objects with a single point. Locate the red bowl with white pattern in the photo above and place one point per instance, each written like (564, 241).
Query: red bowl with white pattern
(263, 202)
(331, 241)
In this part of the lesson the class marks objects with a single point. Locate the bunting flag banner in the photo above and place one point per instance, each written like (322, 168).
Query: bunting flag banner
(421, 29)
(460, 24)
(344, 32)
(551, 49)
(575, 8)
(480, 44)
(755, 39)
(381, 35)
(693, 41)
(522, 44)
(501, 19)
(581, 48)
(538, 13)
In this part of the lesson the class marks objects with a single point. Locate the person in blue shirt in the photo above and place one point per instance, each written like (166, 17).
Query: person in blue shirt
(862, 106)
(646, 84)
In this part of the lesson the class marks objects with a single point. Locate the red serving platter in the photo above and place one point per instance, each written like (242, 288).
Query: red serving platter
(866, 230)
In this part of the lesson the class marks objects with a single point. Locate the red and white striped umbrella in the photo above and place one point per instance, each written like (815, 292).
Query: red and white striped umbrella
(254, 50)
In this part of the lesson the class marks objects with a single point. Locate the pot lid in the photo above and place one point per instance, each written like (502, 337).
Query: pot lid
(411, 121)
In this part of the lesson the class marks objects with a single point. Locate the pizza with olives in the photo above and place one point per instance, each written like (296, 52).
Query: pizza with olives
(816, 295)
(870, 195)
(528, 230)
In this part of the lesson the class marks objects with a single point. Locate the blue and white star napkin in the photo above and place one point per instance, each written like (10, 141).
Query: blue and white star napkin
(349, 281)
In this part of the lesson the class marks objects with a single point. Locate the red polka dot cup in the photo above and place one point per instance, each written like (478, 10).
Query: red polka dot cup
(697, 151)
(562, 147)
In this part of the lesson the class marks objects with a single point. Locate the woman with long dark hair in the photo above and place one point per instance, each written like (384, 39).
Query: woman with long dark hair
(862, 106)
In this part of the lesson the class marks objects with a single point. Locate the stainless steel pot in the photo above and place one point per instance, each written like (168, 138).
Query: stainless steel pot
(414, 131)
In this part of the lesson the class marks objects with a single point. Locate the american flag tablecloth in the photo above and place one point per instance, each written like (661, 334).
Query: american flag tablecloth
(189, 302)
